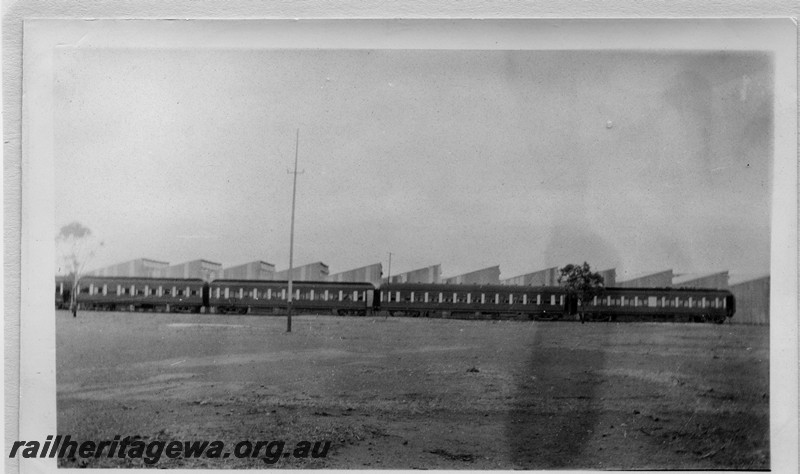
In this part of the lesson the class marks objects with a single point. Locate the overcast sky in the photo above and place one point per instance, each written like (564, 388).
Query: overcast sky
(642, 161)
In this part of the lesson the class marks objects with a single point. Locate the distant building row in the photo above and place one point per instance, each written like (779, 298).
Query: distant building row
(752, 294)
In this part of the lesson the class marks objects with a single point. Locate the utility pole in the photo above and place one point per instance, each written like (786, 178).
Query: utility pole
(389, 278)
(291, 236)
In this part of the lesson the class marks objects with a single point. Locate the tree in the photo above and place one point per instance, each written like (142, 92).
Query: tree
(75, 247)
(582, 284)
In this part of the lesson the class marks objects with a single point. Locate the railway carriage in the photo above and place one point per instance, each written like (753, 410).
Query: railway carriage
(662, 304)
(140, 294)
(471, 301)
(271, 297)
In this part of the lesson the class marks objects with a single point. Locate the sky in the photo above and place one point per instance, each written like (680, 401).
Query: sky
(635, 160)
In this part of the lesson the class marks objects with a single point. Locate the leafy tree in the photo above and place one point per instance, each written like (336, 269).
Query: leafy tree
(75, 247)
(582, 284)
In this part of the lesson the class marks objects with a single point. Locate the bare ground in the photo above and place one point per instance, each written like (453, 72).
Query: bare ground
(406, 393)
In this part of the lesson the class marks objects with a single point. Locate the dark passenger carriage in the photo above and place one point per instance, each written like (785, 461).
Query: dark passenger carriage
(140, 294)
(668, 304)
(271, 297)
(471, 301)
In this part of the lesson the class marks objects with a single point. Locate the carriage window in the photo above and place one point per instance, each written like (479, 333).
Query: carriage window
(552, 299)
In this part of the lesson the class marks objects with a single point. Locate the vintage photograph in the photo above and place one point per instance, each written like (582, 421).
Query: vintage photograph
(406, 244)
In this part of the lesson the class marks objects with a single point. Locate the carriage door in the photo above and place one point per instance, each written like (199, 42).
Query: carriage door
(370, 297)
(206, 294)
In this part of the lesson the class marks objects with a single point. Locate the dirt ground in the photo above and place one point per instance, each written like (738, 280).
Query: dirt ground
(405, 393)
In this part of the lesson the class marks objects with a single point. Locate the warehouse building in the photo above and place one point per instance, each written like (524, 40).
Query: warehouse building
(609, 277)
(432, 274)
(652, 280)
(546, 277)
(718, 280)
(370, 273)
(141, 268)
(752, 299)
(485, 276)
(203, 269)
(316, 271)
(258, 270)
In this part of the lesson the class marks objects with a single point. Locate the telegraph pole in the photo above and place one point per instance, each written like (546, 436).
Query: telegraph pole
(291, 236)
(389, 278)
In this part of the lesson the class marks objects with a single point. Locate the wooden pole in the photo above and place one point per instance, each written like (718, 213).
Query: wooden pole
(291, 237)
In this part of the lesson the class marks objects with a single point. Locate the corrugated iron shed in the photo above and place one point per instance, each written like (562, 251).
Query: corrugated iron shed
(484, 276)
(752, 299)
(432, 274)
(369, 273)
(717, 280)
(316, 271)
(258, 270)
(139, 268)
(653, 280)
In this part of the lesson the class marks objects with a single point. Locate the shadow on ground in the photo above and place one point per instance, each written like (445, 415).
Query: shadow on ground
(557, 407)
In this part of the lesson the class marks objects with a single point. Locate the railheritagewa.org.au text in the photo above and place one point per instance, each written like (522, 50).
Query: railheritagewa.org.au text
(151, 452)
